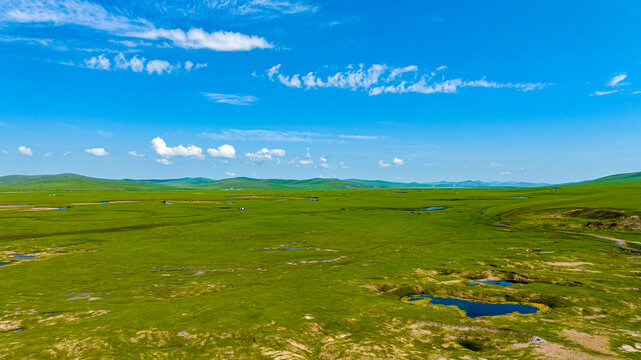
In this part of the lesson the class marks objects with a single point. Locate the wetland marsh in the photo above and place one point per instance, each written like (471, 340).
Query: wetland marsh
(321, 279)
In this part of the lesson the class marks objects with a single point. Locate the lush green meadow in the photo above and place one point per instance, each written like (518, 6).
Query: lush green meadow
(200, 278)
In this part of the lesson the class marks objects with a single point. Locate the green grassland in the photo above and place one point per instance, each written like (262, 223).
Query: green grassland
(146, 280)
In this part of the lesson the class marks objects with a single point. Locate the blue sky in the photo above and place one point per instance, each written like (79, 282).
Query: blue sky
(541, 91)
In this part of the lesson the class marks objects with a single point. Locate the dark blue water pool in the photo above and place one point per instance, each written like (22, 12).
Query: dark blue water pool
(496, 283)
(475, 309)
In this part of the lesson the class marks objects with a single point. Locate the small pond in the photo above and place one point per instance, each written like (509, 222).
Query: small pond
(496, 283)
(431, 208)
(475, 309)
(520, 197)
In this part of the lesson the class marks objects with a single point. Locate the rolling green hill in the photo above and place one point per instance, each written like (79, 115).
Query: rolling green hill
(69, 182)
(615, 179)
(262, 184)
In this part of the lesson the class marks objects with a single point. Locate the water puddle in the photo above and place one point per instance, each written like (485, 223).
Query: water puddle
(3, 264)
(496, 283)
(167, 203)
(23, 256)
(431, 208)
(45, 208)
(292, 248)
(475, 309)
(520, 197)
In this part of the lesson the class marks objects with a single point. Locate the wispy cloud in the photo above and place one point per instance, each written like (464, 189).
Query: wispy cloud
(163, 161)
(601, 93)
(244, 7)
(380, 79)
(616, 80)
(359, 137)
(231, 99)
(264, 135)
(199, 39)
(67, 12)
(95, 16)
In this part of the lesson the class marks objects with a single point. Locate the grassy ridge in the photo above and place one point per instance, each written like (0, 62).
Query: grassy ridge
(615, 179)
(69, 182)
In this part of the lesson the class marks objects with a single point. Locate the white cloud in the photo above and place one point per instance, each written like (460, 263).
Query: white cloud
(231, 99)
(373, 81)
(358, 137)
(495, 164)
(158, 66)
(616, 80)
(323, 162)
(305, 162)
(264, 135)
(601, 93)
(398, 71)
(66, 153)
(199, 39)
(395, 162)
(164, 161)
(99, 63)
(47, 154)
(134, 153)
(273, 71)
(94, 16)
(97, 151)
(223, 151)
(25, 150)
(229, 173)
(505, 173)
(135, 64)
(292, 81)
(67, 12)
(265, 154)
(161, 148)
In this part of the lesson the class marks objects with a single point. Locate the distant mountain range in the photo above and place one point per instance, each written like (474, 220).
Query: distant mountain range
(67, 182)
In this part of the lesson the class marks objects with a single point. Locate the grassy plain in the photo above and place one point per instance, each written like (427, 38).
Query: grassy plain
(195, 279)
